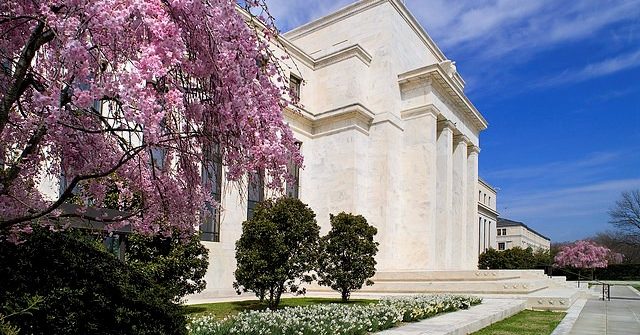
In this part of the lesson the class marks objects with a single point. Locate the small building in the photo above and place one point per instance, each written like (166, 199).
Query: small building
(487, 216)
(517, 234)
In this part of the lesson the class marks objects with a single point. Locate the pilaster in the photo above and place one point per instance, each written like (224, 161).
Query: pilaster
(460, 204)
(472, 209)
(444, 211)
(414, 249)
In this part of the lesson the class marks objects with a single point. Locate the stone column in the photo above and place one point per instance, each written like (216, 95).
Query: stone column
(472, 209)
(460, 204)
(444, 211)
(416, 236)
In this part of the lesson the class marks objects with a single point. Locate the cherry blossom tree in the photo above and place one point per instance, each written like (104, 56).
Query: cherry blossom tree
(124, 98)
(583, 255)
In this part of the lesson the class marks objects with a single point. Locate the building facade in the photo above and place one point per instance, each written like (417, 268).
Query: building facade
(487, 216)
(517, 234)
(386, 131)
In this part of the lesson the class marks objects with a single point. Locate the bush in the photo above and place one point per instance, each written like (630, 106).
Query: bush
(83, 289)
(347, 257)
(514, 258)
(277, 249)
(178, 265)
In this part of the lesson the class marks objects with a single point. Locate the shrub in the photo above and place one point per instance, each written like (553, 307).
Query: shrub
(83, 289)
(514, 258)
(277, 249)
(177, 264)
(347, 257)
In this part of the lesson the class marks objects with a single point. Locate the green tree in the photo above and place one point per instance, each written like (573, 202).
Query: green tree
(347, 257)
(277, 250)
(491, 259)
(178, 264)
(83, 289)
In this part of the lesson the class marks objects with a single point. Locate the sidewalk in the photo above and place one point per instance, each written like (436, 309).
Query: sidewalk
(620, 316)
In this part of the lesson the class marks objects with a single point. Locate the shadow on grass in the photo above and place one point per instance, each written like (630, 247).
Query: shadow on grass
(224, 309)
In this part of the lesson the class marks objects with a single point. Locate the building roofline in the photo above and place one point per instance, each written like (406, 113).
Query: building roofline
(502, 222)
(484, 182)
(359, 7)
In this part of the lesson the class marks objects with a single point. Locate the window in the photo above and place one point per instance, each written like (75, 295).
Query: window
(295, 84)
(501, 246)
(499, 232)
(504, 231)
(255, 193)
(293, 186)
(489, 201)
(479, 195)
(485, 199)
(212, 182)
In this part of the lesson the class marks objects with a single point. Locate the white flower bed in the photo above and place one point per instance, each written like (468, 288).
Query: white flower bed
(330, 319)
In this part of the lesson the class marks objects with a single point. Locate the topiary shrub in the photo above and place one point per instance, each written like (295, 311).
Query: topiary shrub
(347, 257)
(83, 289)
(277, 249)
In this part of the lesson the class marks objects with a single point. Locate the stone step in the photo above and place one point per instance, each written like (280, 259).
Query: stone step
(512, 286)
(559, 299)
(480, 275)
(462, 322)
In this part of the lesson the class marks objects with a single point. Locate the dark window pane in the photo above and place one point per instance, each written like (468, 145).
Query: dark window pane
(255, 192)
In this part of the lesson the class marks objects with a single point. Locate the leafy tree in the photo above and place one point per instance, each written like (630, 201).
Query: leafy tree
(347, 256)
(625, 215)
(277, 249)
(583, 255)
(177, 264)
(80, 289)
(138, 109)
(491, 259)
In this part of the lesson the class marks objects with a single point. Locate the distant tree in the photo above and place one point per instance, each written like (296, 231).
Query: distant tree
(491, 259)
(583, 255)
(347, 256)
(624, 244)
(625, 215)
(178, 264)
(277, 250)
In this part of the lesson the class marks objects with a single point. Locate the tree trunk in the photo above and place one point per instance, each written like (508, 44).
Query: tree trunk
(345, 295)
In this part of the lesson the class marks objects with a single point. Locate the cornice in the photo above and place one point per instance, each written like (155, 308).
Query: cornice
(487, 209)
(353, 116)
(420, 111)
(362, 6)
(472, 148)
(436, 73)
(446, 124)
(457, 139)
(343, 54)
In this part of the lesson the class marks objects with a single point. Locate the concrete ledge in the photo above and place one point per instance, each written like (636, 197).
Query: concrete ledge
(462, 322)
(572, 315)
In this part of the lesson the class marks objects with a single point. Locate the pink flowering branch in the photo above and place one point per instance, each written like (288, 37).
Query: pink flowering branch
(170, 75)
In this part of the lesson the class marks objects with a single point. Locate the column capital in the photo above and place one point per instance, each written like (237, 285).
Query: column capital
(473, 149)
(446, 124)
(461, 139)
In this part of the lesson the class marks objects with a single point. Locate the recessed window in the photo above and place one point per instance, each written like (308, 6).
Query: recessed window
(293, 185)
(255, 193)
(211, 182)
(504, 231)
(295, 84)
(499, 232)
(501, 246)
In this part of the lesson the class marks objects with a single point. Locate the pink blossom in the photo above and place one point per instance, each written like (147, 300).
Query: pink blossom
(583, 255)
(178, 75)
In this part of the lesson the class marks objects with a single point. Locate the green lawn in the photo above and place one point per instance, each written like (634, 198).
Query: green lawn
(525, 323)
(637, 287)
(224, 309)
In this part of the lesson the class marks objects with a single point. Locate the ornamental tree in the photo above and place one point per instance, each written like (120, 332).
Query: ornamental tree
(583, 255)
(127, 95)
(277, 250)
(348, 251)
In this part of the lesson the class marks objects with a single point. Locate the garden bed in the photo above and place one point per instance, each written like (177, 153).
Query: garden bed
(329, 319)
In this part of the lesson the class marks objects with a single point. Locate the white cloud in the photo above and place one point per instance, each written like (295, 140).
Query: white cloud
(594, 70)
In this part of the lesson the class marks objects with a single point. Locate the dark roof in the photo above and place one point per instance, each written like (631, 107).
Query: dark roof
(502, 222)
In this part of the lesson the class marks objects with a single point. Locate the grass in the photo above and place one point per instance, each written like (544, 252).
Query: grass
(525, 323)
(224, 309)
(637, 287)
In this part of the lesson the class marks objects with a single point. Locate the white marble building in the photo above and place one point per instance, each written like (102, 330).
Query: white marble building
(487, 216)
(386, 131)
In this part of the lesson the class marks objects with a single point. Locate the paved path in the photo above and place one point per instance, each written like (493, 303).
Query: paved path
(462, 322)
(620, 316)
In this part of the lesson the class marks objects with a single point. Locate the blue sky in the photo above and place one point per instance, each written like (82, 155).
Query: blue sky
(559, 83)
